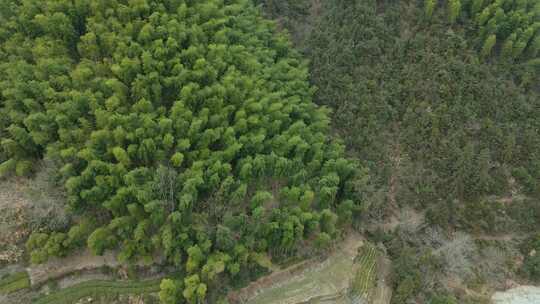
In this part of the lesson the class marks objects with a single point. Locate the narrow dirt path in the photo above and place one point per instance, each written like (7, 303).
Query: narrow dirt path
(383, 292)
(59, 267)
(394, 178)
(502, 237)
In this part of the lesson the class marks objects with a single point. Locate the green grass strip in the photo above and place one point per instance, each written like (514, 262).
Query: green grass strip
(98, 288)
(364, 280)
(14, 282)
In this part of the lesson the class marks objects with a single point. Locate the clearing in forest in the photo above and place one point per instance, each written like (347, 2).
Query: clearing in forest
(327, 279)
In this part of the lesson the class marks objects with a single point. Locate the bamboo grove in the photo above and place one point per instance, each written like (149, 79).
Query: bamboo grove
(512, 25)
(182, 129)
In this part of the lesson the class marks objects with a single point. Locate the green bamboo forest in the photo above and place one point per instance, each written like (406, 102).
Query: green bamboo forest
(217, 141)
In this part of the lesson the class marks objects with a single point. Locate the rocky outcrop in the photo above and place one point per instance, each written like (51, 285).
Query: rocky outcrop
(518, 295)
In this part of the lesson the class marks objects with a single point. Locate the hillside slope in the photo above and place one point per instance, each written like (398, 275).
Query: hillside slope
(180, 131)
(428, 95)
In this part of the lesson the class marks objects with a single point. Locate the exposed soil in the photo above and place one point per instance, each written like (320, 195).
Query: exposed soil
(75, 279)
(383, 292)
(11, 193)
(13, 230)
(60, 267)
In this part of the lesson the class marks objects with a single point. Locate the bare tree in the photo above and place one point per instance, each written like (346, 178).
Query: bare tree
(458, 255)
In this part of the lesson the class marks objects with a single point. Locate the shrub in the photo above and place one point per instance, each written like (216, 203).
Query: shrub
(14, 282)
(438, 299)
(531, 251)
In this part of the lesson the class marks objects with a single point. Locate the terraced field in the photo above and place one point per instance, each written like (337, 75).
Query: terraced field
(327, 282)
(99, 289)
(364, 281)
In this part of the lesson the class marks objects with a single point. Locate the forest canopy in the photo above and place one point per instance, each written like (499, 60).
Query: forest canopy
(180, 128)
(439, 122)
(191, 136)
(440, 100)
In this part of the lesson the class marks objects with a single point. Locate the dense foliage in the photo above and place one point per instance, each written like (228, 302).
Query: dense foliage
(531, 251)
(440, 99)
(512, 25)
(416, 101)
(182, 128)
